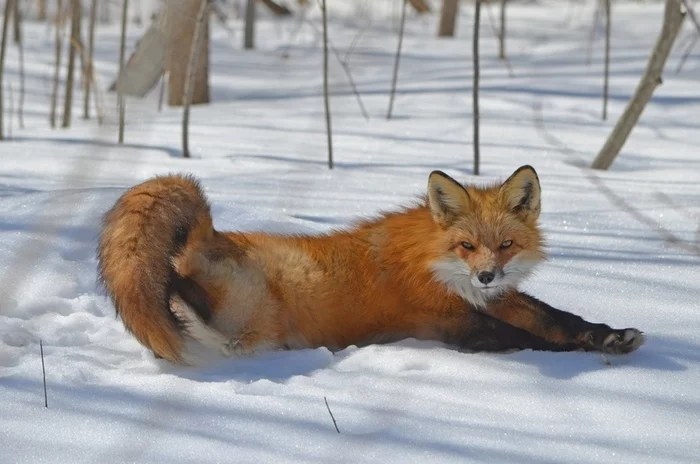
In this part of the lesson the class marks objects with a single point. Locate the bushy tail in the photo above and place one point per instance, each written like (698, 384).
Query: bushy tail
(141, 235)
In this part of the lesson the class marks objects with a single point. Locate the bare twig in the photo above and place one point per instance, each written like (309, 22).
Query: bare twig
(20, 46)
(326, 97)
(9, 4)
(691, 14)
(502, 32)
(346, 68)
(475, 85)
(161, 93)
(249, 27)
(106, 13)
(57, 69)
(223, 21)
(691, 44)
(74, 44)
(694, 20)
(43, 373)
(335, 424)
(220, 14)
(275, 8)
(295, 32)
(89, 59)
(121, 106)
(351, 81)
(17, 20)
(11, 109)
(569, 13)
(592, 33)
(41, 15)
(606, 71)
(497, 33)
(397, 59)
(121, 102)
(98, 101)
(189, 79)
(354, 42)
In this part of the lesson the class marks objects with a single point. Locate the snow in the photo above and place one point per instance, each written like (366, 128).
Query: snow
(260, 151)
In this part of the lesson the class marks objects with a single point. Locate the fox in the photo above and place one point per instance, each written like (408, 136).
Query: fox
(446, 268)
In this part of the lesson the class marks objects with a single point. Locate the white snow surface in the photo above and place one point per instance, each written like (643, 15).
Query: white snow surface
(622, 244)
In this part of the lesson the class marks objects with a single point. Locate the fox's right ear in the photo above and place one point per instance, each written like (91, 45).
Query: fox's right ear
(521, 193)
(446, 197)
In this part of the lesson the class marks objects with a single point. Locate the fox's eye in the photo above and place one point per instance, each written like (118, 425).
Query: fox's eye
(467, 246)
(506, 244)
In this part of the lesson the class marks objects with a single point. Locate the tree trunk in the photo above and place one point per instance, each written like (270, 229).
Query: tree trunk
(673, 21)
(249, 33)
(165, 49)
(181, 24)
(74, 43)
(448, 18)
(475, 85)
(9, 4)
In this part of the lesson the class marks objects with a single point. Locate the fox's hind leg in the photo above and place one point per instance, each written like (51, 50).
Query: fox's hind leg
(522, 310)
(245, 342)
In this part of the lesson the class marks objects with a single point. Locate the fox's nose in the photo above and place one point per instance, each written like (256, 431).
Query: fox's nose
(486, 277)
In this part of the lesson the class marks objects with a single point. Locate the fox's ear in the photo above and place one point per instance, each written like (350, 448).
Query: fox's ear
(446, 197)
(521, 193)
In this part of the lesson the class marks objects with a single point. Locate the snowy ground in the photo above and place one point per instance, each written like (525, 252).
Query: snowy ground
(260, 150)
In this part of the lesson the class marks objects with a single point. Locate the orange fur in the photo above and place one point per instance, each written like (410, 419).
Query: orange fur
(413, 273)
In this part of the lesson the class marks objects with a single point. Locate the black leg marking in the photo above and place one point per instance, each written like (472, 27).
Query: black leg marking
(486, 333)
(592, 336)
(570, 322)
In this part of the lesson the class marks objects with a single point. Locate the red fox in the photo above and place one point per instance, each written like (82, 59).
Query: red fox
(446, 269)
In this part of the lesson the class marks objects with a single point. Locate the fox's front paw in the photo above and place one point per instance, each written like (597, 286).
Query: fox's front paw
(616, 341)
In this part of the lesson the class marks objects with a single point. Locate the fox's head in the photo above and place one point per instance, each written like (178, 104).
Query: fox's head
(492, 240)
